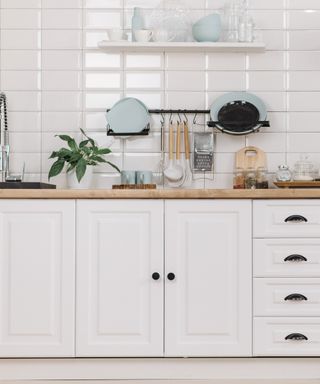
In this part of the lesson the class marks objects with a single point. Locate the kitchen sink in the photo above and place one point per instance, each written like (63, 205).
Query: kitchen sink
(26, 185)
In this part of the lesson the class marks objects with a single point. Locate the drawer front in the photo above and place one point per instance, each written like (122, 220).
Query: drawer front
(286, 337)
(294, 218)
(286, 297)
(286, 258)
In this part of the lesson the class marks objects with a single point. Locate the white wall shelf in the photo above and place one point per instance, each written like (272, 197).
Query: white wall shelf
(129, 46)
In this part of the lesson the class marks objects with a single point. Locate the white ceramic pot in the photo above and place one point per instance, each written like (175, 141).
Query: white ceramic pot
(85, 183)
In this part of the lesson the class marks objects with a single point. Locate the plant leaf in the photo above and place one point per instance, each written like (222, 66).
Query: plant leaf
(81, 169)
(113, 166)
(83, 143)
(73, 145)
(103, 151)
(64, 137)
(89, 138)
(56, 168)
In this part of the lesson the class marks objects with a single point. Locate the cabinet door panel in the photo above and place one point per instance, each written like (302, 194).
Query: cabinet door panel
(119, 305)
(208, 304)
(37, 263)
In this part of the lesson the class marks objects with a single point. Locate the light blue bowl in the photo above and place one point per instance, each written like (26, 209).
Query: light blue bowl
(207, 29)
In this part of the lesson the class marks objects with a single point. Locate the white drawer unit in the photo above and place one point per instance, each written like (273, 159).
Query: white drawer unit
(286, 336)
(286, 257)
(281, 219)
(287, 297)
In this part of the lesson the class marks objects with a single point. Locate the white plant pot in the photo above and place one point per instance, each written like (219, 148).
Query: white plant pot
(85, 183)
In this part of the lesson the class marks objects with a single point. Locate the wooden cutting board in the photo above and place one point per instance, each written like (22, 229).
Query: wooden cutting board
(251, 157)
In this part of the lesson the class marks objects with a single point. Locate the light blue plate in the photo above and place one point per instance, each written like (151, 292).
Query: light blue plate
(238, 96)
(129, 115)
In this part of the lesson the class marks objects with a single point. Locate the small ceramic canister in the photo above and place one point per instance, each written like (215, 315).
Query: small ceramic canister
(144, 177)
(128, 177)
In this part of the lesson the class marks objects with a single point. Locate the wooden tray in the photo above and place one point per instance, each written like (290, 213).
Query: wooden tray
(297, 184)
(135, 186)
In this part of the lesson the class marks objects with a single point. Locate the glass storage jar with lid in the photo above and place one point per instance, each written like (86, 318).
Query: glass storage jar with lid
(303, 169)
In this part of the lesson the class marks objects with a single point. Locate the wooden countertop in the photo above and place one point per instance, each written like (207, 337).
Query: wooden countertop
(161, 194)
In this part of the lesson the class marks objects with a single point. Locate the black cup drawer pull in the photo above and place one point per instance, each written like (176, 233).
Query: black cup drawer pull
(296, 336)
(171, 276)
(295, 258)
(156, 276)
(296, 297)
(296, 219)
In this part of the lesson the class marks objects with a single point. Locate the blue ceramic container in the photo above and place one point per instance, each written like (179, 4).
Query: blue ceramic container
(207, 29)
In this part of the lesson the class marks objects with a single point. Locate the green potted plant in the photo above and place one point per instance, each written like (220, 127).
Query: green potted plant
(79, 159)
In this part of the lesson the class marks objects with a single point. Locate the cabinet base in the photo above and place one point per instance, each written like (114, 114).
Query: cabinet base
(161, 369)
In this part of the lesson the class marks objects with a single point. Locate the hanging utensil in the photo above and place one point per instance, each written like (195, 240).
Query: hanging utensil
(174, 172)
(188, 172)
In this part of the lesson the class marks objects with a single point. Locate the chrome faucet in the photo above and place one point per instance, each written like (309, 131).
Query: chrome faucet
(4, 139)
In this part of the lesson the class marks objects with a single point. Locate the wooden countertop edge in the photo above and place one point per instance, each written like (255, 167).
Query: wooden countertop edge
(161, 194)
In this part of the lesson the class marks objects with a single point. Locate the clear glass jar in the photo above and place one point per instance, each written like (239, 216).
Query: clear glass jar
(283, 173)
(262, 178)
(303, 169)
(251, 179)
(239, 179)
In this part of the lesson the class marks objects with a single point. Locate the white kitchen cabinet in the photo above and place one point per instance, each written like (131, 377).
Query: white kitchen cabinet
(208, 259)
(119, 304)
(37, 282)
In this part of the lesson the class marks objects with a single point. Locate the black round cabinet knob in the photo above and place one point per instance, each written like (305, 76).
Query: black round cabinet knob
(156, 276)
(171, 276)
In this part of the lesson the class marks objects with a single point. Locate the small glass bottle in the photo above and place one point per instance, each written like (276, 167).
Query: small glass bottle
(262, 178)
(239, 179)
(251, 179)
(283, 173)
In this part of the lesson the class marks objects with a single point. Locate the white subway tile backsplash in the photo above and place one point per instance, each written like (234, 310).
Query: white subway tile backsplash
(186, 61)
(269, 142)
(304, 61)
(143, 61)
(226, 81)
(99, 60)
(61, 19)
(20, 39)
(97, 80)
(303, 122)
(304, 81)
(141, 161)
(304, 101)
(143, 80)
(61, 121)
(61, 81)
(61, 39)
(305, 4)
(25, 121)
(20, 60)
(61, 101)
(266, 81)
(101, 101)
(269, 61)
(57, 81)
(102, 19)
(25, 142)
(185, 100)
(154, 100)
(20, 80)
(301, 142)
(226, 62)
(269, 4)
(21, 101)
(61, 60)
(306, 19)
(61, 4)
(20, 19)
(21, 4)
(102, 3)
(304, 40)
(269, 19)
